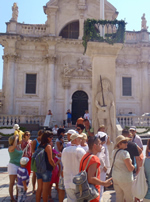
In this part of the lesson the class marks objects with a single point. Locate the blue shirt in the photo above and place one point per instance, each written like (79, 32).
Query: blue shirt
(69, 115)
(22, 175)
(147, 175)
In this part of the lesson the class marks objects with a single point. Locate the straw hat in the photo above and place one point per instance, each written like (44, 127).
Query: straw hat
(75, 136)
(84, 136)
(119, 139)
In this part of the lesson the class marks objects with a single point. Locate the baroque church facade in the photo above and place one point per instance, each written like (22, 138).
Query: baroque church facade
(44, 66)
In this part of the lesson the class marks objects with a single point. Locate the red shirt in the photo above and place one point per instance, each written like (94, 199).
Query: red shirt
(93, 160)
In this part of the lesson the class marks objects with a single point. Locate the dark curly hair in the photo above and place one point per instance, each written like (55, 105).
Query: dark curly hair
(45, 136)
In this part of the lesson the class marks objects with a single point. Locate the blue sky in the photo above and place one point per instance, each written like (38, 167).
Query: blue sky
(31, 12)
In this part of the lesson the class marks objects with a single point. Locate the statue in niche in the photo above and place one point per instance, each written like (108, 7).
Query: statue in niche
(80, 64)
(143, 23)
(104, 102)
(14, 12)
(66, 69)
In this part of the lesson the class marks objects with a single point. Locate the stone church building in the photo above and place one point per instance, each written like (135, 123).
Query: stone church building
(45, 68)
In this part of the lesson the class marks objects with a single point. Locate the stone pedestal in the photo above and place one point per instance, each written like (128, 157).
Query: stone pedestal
(103, 58)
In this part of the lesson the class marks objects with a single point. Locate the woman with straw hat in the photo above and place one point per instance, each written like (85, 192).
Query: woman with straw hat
(122, 171)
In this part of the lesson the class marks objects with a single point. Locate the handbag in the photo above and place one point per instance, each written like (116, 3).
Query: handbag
(110, 174)
(84, 190)
(139, 185)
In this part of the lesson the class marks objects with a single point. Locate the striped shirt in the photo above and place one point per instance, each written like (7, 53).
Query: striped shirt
(22, 175)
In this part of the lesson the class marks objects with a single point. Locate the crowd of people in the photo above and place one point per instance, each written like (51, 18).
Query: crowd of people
(64, 160)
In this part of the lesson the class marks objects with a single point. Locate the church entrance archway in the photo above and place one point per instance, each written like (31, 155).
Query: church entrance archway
(79, 105)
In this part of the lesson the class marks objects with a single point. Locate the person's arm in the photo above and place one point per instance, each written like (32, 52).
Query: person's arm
(92, 179)
(59, 146)
(48, 150)
(25, 185)
(128, 164)
(139, 150)
(12, 148)
(33, 145)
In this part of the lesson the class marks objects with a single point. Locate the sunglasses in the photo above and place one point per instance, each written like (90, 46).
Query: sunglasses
(78, 129)
(124, 142)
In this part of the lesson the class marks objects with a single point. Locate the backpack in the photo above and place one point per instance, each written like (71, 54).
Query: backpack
(38, 162)
(84, 190)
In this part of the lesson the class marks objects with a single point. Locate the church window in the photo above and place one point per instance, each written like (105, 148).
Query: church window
(126, 86)
(70, 31)
(31, 83)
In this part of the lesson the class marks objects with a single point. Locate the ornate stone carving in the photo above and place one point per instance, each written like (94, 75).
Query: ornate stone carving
(143, 23)
(50, 58)
(10, 57)
(14, 12)
(27, 110)
(82, 7)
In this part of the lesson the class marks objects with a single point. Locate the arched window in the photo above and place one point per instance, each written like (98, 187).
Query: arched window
(70, 31)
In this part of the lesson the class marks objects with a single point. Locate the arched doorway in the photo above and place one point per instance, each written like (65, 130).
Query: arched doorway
(79, 105)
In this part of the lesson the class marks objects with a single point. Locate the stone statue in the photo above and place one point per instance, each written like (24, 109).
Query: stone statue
(106, 108)
(80, 63)
(14, 12)
(143, 23)
(66, 69)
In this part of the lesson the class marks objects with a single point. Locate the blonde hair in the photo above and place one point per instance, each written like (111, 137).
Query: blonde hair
(11, 140)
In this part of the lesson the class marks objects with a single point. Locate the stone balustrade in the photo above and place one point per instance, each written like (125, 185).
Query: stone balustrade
(10, 120)
(134, 37)
(32, 30)
(143, 121)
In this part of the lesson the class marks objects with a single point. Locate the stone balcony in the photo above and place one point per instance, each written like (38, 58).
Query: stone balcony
(136, 37)
(33, 30)
(140, 121)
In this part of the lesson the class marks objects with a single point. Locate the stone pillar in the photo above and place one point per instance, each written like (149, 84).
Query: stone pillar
(103, 58)
(82, 8)
(50, 83)
(51, 19)
(102, 16)
(81, 28)
(9, 66)
(145, 95)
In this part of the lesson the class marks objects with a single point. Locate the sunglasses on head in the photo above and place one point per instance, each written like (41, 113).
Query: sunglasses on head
(124, 142)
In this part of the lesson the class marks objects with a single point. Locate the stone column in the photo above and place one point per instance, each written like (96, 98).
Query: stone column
(9, 66)
(81, 28)
(82, 8)
(102, 16)
(145, 89)
(50, 83)
(51, 19)
(66, 85)
(103, 58)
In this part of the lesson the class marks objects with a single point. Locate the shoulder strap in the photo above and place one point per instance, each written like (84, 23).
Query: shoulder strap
(88, 162)
(84, 160)
(114, 160)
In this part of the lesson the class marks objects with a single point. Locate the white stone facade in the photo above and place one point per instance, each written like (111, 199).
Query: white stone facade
(61, 68)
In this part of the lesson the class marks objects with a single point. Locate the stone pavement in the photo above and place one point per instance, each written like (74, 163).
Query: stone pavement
(109, 196)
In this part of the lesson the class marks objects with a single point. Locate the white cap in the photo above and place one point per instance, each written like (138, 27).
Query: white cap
(101, 134)
(71, 132)
(133, 128)
(16, 127)
(24, 160)
(75, 136)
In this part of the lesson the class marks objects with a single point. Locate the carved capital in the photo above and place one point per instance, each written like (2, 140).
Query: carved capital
(50, 58)
(10, 57)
